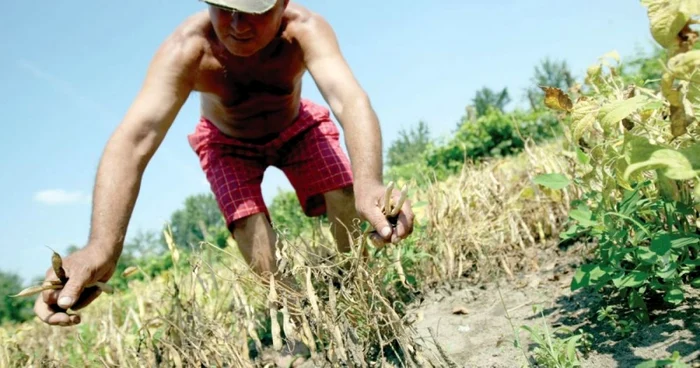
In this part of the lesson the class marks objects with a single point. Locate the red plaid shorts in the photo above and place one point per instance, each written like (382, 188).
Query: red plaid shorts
(308, 153)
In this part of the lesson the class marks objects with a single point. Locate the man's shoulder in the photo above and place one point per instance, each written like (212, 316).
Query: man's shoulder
(303, 23)
(187, 42)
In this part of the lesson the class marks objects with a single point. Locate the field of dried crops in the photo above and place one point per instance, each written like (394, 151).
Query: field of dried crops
(488, 222)
(489, 225)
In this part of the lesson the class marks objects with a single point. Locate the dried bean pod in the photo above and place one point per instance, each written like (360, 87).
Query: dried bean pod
(387, 198)
(32, 290)
(57, 265)
(404, 193)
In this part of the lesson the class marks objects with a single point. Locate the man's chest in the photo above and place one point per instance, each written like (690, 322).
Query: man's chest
(237, 81)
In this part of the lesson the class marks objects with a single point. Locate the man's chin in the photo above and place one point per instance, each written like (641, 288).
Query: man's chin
(242, 50)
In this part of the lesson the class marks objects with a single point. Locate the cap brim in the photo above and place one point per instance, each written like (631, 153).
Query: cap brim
(245, 6)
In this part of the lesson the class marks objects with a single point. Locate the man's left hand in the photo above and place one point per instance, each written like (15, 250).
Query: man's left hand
(370, 200)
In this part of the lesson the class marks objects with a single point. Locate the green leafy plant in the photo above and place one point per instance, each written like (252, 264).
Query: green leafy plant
(554, 348)
(646, 249)
(637, 160)
(673, 362)
(622, 327)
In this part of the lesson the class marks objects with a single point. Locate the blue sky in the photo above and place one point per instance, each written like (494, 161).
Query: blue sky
(70, 71)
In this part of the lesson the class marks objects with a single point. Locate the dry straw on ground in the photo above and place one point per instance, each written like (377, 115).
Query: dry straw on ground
(483, 223)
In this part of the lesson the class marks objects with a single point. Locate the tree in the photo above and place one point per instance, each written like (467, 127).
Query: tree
(13, 309)
(552, 74)
(200, 220)
(145, 244)
(288, 216)
(409, 146)
(487, 98)
(645, 68)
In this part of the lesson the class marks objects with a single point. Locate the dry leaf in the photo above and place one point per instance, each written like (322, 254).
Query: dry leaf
(682, 117)
(678, 121)
(687, 38)
(666, 21)
(556, 99)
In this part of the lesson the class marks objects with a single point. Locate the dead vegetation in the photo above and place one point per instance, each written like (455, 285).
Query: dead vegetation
(486, 222)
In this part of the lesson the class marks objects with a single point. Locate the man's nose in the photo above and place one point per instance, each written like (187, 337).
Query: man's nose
(239, 22)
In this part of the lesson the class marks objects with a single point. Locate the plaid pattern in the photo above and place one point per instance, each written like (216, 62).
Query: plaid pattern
(308, 153)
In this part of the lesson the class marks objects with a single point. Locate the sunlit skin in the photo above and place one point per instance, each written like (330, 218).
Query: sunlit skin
(248, 70)
(245, 34)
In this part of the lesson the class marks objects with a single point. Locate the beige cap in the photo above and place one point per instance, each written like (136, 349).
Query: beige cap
(244, 6)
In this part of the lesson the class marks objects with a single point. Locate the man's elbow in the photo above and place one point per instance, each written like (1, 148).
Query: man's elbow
(135, 146)
(353, 104)
(362, 99)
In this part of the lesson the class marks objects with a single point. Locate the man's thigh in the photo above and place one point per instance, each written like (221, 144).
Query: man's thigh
(235, 182)
(315, 164)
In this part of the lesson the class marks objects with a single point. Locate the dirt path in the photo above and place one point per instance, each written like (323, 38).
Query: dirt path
(471, 326)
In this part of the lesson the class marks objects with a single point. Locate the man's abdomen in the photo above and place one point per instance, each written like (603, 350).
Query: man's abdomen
(254, 117)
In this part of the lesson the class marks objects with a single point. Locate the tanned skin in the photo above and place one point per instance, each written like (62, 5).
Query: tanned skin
(248, 69)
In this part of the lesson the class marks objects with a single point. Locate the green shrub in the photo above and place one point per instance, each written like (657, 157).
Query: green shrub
(13, 309)
(288, 217)
(495, 134)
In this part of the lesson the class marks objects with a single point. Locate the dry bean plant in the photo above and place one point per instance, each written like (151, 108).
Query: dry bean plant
(349, 310)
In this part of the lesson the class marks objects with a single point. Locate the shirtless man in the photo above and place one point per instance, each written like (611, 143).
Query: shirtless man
(246, 58)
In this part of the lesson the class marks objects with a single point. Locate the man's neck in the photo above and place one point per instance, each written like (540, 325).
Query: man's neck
(260, 56)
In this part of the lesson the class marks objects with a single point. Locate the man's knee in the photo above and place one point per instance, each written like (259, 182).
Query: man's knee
(341, 200)
(250, 225)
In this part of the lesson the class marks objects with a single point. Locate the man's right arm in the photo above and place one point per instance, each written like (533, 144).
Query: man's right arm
(167, 85)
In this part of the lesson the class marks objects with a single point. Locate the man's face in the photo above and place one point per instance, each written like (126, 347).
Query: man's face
(244, 34)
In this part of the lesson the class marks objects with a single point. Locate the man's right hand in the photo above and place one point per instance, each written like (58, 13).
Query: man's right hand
(84, 267)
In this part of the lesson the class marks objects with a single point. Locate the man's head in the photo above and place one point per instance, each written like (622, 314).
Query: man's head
(246, 26)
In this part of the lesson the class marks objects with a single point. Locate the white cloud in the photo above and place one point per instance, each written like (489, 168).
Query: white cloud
(60, 196)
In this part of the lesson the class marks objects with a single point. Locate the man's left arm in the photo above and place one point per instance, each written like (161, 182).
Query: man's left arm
(352, 107)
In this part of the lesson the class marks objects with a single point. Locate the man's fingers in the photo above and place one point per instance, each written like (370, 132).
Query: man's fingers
(87, 297)
(70, 293)
(404, 224)
(377, 241)
(55, 317)
(50, 296)
(379, 222)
